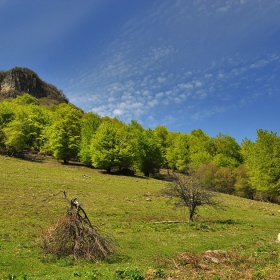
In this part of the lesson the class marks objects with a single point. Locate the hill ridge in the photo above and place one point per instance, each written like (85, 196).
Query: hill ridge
(19, 80)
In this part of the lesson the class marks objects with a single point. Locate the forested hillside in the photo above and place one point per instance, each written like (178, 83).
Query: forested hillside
(250, 169)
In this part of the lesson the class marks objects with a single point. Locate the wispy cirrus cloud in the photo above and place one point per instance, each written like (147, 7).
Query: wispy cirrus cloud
(157, 77)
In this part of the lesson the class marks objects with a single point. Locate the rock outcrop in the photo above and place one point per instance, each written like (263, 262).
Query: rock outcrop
(23, 80)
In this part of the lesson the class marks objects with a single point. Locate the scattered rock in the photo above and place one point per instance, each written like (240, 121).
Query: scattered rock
(215, 256)
(278, 238)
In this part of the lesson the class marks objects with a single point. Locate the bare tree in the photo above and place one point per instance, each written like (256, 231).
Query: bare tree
(189, 192)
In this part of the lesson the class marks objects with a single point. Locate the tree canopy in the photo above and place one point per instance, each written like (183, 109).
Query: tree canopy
(251, 169)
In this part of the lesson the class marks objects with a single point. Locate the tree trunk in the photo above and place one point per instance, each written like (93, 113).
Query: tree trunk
(191, 213)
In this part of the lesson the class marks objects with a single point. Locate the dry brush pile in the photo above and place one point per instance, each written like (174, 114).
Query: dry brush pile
(75, 235)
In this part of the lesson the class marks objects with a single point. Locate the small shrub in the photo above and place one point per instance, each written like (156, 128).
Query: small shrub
(77, 274)
(132, 274)
(160, 273)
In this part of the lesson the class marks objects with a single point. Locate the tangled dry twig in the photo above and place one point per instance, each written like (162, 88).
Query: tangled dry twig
(74, 234)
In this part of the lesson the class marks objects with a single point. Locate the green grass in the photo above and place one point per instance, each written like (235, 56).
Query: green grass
(128, 207)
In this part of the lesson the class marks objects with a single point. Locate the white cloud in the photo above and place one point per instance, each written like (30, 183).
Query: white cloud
(139, 76)
(153, 103)
(160, 94)
(259, 64)
(185, 86)
(162, 52)
(161, 79)
(117, 112)
(111, 99)
(223, 9)
(201, 94)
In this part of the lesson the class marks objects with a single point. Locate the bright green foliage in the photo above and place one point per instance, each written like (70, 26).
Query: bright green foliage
(26, 99)
(15, 136)
(263, 161)
(132, 274)
(149, 157)
(161, 133)
(25, 130)
(111, 146)
(178, 154)
(226, 151)
(6, 115)
(199, 148)
(63, 136)
(90, 123)
(135, 126)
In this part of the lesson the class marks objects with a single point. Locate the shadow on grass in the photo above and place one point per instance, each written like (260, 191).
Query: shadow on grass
(68, 260)
(119, 173)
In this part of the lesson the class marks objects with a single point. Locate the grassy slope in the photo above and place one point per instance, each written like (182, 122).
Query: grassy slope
(118, 204)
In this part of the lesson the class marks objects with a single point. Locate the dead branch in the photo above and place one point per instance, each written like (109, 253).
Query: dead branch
(75, 234)
(169, 222)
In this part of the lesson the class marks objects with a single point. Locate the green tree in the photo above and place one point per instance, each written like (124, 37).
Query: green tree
(242, 185)
(199, 148)
(26, 99)
(161, 133)
(226, 151)
(89, 126)
(178, 153)
(7, 114)
(263, 161)
(111, 147)
(64, 134)
(225, 180)
(149, 157)
(207, 173)
(26, 128)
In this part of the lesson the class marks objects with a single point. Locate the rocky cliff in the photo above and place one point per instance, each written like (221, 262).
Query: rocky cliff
(23, 80)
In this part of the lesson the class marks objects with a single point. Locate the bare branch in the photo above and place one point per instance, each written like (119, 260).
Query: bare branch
(75, 234)
(189, 192)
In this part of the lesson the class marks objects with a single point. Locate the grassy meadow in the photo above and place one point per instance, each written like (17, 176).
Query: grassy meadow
(243, 234)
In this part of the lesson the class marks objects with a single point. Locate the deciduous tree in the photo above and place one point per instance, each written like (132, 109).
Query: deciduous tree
(89, 125)
(226, 151)
(263, 161)
(178, 153)
(111, 147)
(199, 148)
(63, 135)
(26, 128)
(149, 157)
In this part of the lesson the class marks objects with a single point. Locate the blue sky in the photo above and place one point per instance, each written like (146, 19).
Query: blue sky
(189, 64)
